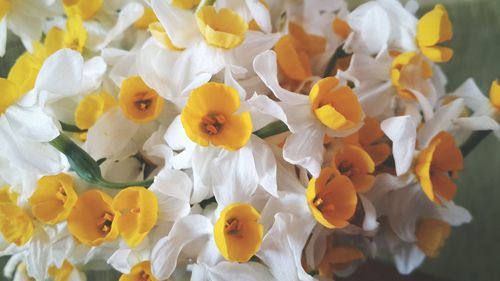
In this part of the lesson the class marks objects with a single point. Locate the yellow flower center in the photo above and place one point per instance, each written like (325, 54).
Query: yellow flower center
(237, 233)
(356, 164)
(75, 36)
(336, 107)
(16, 225)
(331, 198)
(431, 235)
(86, 9)
(495, 94)
(208, 117)
(10, 94)
(137, 208)
(61, 274)
(434, 165)
(91, 108)
(53, 198)
(4, 8)
(408, 68)
(138, 102)
(140, 272)
(221, 29)
(432, 29)
(92, 219)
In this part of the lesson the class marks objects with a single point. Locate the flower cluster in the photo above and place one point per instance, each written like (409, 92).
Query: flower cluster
(230, 139)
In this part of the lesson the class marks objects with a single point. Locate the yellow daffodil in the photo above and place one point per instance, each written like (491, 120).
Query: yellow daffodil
(61, 274)
(160, 35)
(140, 272)
(221, 29)
(148, 17)
(331, 198)
(4, 8)
(435, 163)
(10, 94)
(139, 102)
(91, 108)
(431, 235)
(209, 117)
(356, 164)
(16, 225)
(403, 73)
(237, 233)
(338, 258)
(336, 107)
(372, 139)
(185, 4)
(93, 220)
(295, 50)
(53, 198)
(137, 211)
(86, 9)
(341, 27)
(495, 95)
(75, 36)
(432, 29)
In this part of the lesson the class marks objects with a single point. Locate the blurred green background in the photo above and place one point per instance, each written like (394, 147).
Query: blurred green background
(473, 250)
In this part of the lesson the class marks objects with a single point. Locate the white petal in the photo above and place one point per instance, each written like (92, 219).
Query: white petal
(202, 161)
(453, 214)
(472, 96)
(38, 261)
(261, 15)
(93, 71)
(477, 123)
(370, 222)
(265, 165)
(123, 260)
(442, 121)
(32, 123)
(402, 132)
(266, 67)
(3, 35)
(306, 149)
(166, 251)
(179, 24)
(229, 271)
(173, 190)
(373, 25)
(408, 257)
(254, 44)
(265, 111)
(61, 74)
(126, 17)
(315, 249)
(282, 247)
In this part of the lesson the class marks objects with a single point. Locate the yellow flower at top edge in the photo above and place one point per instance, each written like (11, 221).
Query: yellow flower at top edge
(403, 72)
(331, 198)
(61, 274)
(222, 29)
(338, 258)
(137, 210)
(336, 107)
(148, 17)
(432, 29)
(93, 220)
(295, 50)
(495, 94)
(86, 9)
(139, 102)
(434, 165)
(209, 117)
(53, 198)
(4, 8)
(140, 272)
(16, 225)
(91, 108)
(431, 235)
(237, 233)
(75, 36)
(356, 164)
(185, 4)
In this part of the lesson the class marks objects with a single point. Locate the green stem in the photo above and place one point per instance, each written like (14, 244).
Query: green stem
(271, 129)
(204, 3)
(473, 141)
(339, 53)
(71, 128)
(86, 167)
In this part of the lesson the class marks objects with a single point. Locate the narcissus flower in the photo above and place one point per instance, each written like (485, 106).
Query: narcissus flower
(356, 164)
(434, 166)
(185, 4)
(409, 72)
(339, 258)
(160, 35)
(209, 117)
(53, 199)
(139, 102)
(372, 139)
(332, 198)
(336, 107)
(495, 95)
(140, 272)
(86, 9)
(75, 36)
(237, 233)
(148, 17)
(93, 220)
(91, 108)
(223, 28)
(16, 225)
(137, 212)
(65, 273)
(431, 235)
(432, 29)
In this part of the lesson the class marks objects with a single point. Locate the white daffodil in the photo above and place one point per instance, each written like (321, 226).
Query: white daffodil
(25, 19)
(311, 118)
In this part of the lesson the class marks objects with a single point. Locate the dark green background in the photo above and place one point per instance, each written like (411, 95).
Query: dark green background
(473, 250)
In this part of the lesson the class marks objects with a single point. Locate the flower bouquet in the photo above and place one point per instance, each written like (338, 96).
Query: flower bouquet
(230, 140)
